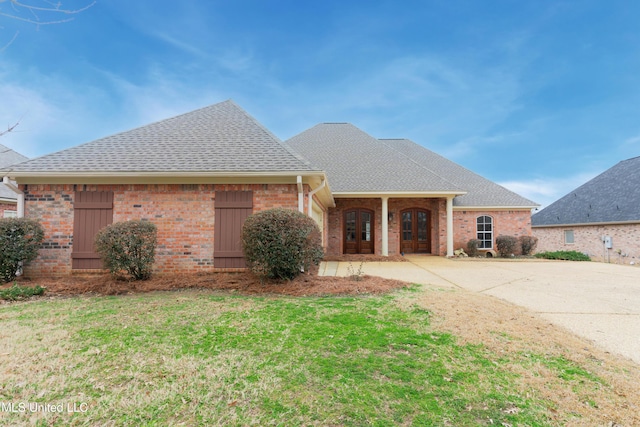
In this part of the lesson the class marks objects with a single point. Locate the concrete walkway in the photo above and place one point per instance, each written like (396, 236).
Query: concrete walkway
(598, 301)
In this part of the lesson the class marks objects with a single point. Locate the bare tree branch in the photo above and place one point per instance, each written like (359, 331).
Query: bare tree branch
(42, 12)
(9, 128)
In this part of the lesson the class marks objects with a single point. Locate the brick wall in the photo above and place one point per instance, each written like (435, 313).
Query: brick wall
(508, 223)
(184, 215)
(7, 207)
(588, 239)
(53, 207)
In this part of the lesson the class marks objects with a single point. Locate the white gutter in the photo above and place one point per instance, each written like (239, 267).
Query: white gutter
(19, 193)
(311, 193)
(300, 195)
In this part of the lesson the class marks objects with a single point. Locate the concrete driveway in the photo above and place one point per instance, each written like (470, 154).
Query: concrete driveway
(598, 301)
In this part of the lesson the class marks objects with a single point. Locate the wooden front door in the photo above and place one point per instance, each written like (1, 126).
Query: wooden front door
(358, 231)
(231, 209)
(415, 231)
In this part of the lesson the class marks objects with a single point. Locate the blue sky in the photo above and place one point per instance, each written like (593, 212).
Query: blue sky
(539, 96)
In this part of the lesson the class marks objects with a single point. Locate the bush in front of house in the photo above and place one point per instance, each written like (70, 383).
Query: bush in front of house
(279, 243)
(506, 245)
(16, 292)
(128, 247)
(564, 255)
(527, 244)
(472, 247)
(20, 239)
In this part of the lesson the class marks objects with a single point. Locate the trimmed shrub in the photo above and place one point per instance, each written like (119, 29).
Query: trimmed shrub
(128, 247)
(506, 245)
(472, 247)
(20, 239)
(278, 243)
(16, 292)
(564, 255)
(527, 244)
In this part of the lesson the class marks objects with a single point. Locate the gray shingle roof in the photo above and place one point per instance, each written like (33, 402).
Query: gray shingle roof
(8, 157)
(357, 162)
(218, 138)
(480, 191)
(613, 196)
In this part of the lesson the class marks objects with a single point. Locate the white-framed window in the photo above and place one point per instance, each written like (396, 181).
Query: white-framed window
(568, 237)
(484, 227)
(10, 214)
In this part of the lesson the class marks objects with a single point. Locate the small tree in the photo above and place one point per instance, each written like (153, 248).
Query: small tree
(506, 245)
(128, 246)
(528, 244)
(20, 239)
(278, 243)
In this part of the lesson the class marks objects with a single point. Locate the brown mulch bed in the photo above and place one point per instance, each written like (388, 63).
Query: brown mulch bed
(244, 283)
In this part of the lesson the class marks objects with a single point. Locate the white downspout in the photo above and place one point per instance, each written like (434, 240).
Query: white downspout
(19, 193)
(311, 193)
(300, 195)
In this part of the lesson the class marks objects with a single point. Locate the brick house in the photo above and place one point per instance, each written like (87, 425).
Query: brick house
(8, 194)
(601, 218)
(198, 175)
(394, 196)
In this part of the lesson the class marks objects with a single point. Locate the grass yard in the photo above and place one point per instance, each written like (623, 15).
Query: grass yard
(202, 358)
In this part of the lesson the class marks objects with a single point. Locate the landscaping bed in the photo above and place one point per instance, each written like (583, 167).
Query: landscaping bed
(244, 283)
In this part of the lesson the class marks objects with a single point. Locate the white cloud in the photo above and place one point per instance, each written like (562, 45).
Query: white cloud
(547, 190)
(633, 141)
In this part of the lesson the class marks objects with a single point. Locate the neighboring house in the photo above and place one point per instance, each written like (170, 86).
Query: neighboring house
(8, 197)
(197, 176)
(600, 218)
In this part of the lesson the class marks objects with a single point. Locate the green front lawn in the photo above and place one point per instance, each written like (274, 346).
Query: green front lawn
(199, 358)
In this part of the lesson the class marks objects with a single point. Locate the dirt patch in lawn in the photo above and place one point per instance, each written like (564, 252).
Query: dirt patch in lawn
(245, 283)
(513, 331)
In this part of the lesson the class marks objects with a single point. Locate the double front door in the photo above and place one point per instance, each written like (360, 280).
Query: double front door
(359, 235)
(415, 226)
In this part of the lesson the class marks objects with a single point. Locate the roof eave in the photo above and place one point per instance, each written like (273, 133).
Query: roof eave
(586, 224)
(495, 207)
(204, 177)
(397, 194)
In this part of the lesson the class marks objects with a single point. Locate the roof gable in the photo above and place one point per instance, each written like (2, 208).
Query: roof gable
(480, 190)
(8, 157)
(612, 196)
(357, 162)
(219, 138)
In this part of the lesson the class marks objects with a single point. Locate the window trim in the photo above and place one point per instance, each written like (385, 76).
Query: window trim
(13, 214)
(491, 231)
(573, 237)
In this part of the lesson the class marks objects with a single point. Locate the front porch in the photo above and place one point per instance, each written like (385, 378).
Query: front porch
(391, 225)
